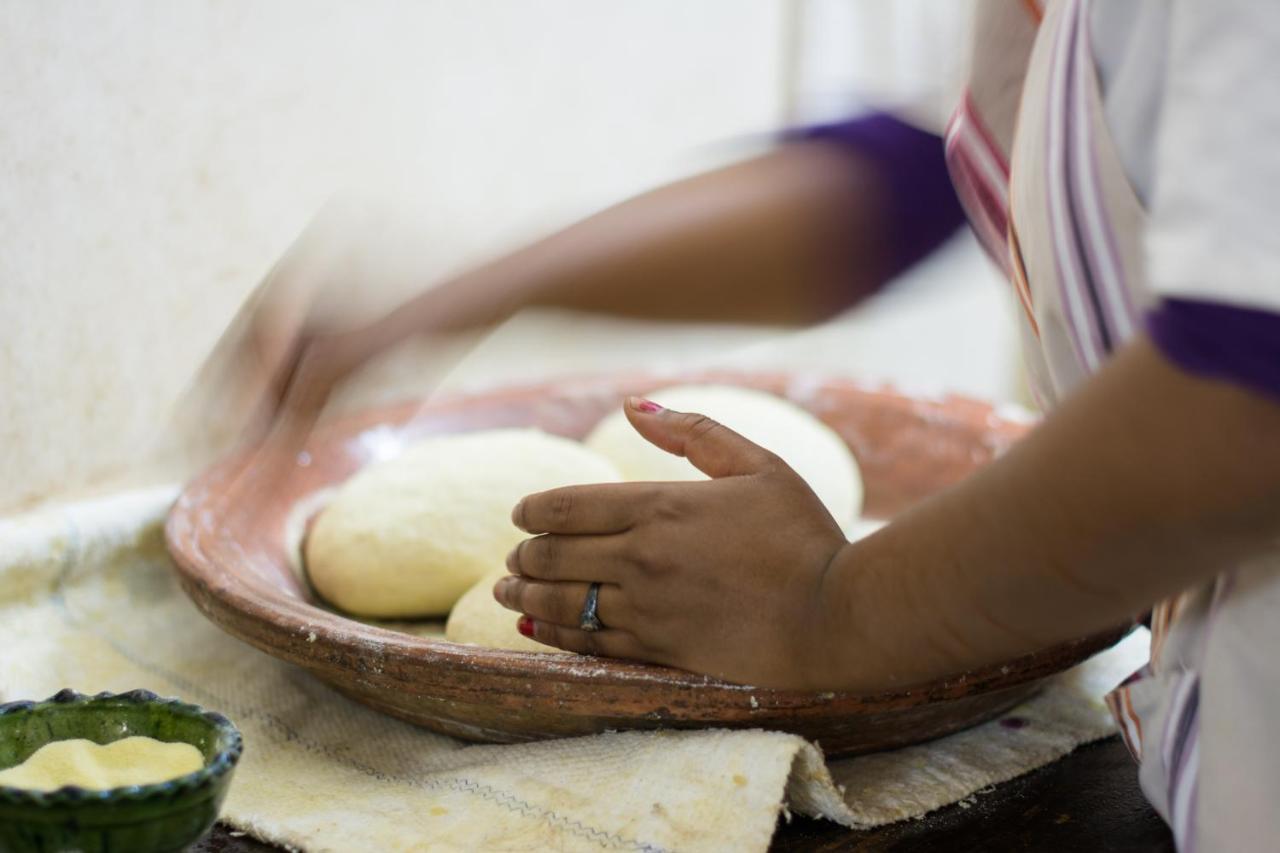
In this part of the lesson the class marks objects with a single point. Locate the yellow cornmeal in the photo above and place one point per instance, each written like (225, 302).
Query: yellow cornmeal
(130, 761)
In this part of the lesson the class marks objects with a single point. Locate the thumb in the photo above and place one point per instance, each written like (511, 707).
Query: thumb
(712, 447)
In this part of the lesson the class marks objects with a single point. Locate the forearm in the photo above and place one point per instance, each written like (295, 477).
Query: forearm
(1144, 483)
(789, 237)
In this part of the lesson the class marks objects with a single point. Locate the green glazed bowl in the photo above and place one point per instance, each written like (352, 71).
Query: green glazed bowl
(140, 818)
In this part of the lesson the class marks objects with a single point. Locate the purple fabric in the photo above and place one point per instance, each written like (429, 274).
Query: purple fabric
(923, 207)
(1240, 345)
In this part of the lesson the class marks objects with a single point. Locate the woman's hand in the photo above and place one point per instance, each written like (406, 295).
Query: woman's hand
(1146, 482)
(325, 309)
(294, 362)
(723, 577)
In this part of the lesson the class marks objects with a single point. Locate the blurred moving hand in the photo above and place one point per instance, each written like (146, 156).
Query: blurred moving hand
(787, 238)
(313, 321)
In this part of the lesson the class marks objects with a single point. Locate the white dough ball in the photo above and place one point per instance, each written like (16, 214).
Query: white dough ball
(480, 620)
(408, 536)
(809, 446)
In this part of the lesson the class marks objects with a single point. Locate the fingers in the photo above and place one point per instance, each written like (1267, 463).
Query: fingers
(303, 385)
(274, 383)
(712, 447)
(551, 614)
(303, 389)
(606, 643)
(603, 508)
(569, 558)
(561, 603)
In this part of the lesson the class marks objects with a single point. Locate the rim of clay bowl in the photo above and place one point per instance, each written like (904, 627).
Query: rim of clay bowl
(227, 740)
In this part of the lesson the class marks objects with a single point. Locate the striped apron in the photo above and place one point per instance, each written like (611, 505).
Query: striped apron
(1046, 193)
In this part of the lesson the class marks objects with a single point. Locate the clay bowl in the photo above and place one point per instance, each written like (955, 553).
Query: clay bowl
(235, 545)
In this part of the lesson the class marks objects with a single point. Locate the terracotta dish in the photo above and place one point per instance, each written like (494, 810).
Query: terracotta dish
(235, 543)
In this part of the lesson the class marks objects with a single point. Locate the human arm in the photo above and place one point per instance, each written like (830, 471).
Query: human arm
(790, 237)
(1145, 482)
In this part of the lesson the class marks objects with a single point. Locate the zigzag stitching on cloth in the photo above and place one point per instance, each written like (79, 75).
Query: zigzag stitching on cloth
(511, 802)
(503, 799)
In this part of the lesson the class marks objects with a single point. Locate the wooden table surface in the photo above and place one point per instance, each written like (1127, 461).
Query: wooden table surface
(1089, 800)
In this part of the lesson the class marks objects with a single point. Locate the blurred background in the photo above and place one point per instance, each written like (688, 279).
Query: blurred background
(157, 157)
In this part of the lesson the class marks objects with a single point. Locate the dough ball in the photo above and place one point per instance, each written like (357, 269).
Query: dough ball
(809, 446)
(481, 621)
(408, 536)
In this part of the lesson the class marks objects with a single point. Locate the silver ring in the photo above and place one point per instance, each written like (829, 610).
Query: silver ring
(589, 619)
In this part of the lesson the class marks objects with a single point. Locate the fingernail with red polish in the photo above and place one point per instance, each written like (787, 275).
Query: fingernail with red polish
(640, 404)
(525, 625)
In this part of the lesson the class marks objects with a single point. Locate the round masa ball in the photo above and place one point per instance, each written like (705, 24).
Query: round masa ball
(810, 447)
(406, 537)
(478, 619)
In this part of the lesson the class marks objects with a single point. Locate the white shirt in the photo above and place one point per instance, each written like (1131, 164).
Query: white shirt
(1192, 98)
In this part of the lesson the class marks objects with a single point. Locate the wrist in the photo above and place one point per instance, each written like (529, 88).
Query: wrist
(825, 624)
(875, 626)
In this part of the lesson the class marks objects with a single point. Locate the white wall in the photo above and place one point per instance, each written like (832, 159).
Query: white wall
(155, 157)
